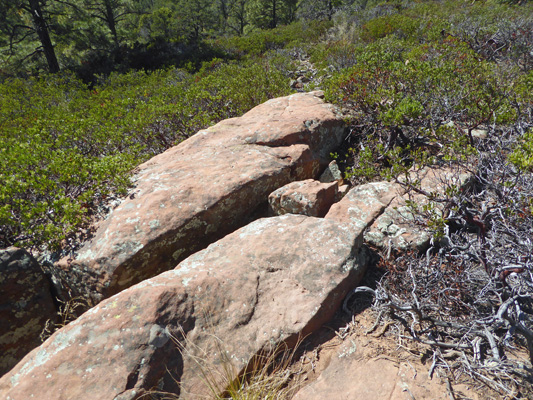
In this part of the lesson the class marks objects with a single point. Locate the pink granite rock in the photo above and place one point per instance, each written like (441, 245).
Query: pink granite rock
(202, 189)
(26, 303)
(275, 280)
(308, 197)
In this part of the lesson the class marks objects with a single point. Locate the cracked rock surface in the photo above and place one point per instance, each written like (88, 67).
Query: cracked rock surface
(203, 189)
(396, 227)
(277, 279)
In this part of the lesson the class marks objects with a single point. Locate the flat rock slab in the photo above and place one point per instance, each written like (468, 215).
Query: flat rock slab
(26, 304)
(202, 189)
(273, 281)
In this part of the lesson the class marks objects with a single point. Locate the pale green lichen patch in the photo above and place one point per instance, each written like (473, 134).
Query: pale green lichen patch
(154, 224)
(177, 254)
(128, 247)
(61, 340)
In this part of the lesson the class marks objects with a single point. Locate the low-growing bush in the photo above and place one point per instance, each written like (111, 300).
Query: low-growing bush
(460, 97)
(400, 25)
(335, 55)
(522, 156)
(67, 148)
(428, 97)
(260, 41)
(151, 56)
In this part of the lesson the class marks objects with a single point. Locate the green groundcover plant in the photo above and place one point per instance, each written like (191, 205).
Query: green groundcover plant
(66, 148)
(418, 78)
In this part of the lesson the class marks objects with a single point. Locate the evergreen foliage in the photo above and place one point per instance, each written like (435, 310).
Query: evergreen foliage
(102, 36)
(66, 149)
(419, 78)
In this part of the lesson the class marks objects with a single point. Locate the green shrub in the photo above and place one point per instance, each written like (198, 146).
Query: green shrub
(260, 41)
(398, 24)
(65, 148)
(522, 156)
(428, 95)
(337, 55)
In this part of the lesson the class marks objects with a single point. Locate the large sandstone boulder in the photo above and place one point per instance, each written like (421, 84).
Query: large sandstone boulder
(202, 189)
(273, 281)
(26, 303)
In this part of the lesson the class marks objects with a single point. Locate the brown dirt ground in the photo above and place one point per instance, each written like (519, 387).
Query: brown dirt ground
(353, 359)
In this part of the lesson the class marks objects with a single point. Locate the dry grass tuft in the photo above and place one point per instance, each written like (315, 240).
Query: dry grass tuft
(268, 375)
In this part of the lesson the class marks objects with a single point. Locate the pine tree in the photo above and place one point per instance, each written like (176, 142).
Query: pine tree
(196, 16)
(24, 32)
(271, 13)
(110, 13)
(318, 9)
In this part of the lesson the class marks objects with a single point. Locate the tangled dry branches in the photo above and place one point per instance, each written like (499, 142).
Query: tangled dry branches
(469, 298)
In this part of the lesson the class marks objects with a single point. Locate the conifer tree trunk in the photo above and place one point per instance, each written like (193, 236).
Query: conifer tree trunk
(241, 16)
(42, 31)
(274, 21)
(111, 21)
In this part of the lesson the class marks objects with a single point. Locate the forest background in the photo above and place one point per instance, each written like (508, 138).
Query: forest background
(105, 35)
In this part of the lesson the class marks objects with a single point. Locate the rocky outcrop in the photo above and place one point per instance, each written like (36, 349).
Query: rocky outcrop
(275, 280)
(255, 285)
(309, 197)
(25, 305)
(397, 227)
(202, 189)
(391, 212)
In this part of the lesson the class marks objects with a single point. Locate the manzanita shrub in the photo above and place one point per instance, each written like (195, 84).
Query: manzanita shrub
(414, 93)
(260, 41)
(449, 84)
(65, 148)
